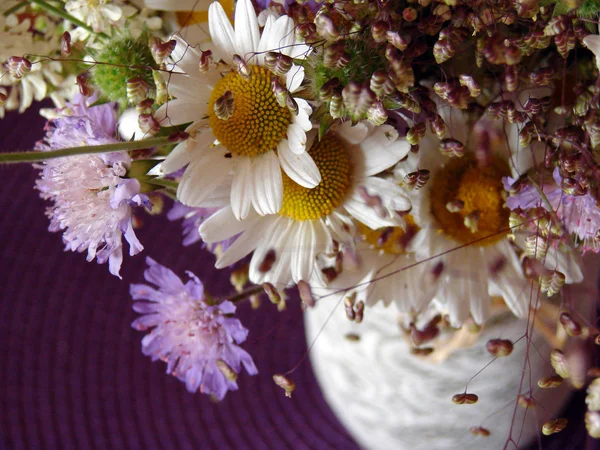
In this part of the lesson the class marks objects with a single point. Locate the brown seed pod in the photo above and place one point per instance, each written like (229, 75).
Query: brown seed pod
(224, 106)
(526, 401)
(499, 347)
(65, 44)
(285, 383)
(267, 262)
(569, 324)
(554, 426)
(465, 399)
(550, 382)
(306, 294)
(479, 431)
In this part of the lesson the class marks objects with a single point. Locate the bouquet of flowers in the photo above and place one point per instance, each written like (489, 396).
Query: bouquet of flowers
(440, 158)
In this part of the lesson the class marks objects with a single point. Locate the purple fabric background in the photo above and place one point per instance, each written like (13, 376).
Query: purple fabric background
(72, 373)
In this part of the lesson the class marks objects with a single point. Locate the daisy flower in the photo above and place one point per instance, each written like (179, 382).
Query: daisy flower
(91, 196)
(311, 219)
(463, 220)
(238, 126)
(198, 340)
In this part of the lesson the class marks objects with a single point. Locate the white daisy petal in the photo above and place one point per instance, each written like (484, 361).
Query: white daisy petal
(267, 184)
(392, 195)
(243, 245)
(354, 134)
(263, 44)
(294, 78)
(303, 258)
(221, 31)
(300, 168)
(296, 139)
(202, 177)
(368, 215)
(223, 225)
(304, 112)
(176, 112)
(247, 36)
(271, 239)
(241, 189)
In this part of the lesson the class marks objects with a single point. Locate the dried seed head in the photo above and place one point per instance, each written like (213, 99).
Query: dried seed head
(554, 426)
(471, 84)
(592, 424)
(224, 106)
(569, 324)
(526, 401)
(550, 382)
(438, 126)
(379, 31)
(559, 363)
(278, 63)
(536, 246)
(65, 44)
(499, 347)
(18, 66)
(552, 283)
(471, 221)
(381, 84)
(328, 89)
(243, 68)
(145, 106)
(335, 55)
(3, 97)
(272, 293)
(397, 40)
(161, 50)
(409, 14)
(180, 136)
(325, 26)
(479, 431)
(455, 206)
(267, 262)
(416, 180)
(357, 99)
(336, 105)
(377, 114)
(452, 147)
(353, 337)
(306, 294)
(465, 399)
(148, 124)
(416, 133)
(137, 90)
(419, 337)
(206, 61)
(359, 310)
(161, 88)
(285, 383)
(84, 85)
(226, 370)
(592, 398)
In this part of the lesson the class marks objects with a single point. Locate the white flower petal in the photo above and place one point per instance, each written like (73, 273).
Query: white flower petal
(274, 228)
(221, 31)
(247, 36)
(353, 134)
(241, 189)
(112, 12)
(304, 112)
(392, 195)
(177, 112)
(184, 151)
(296, 139)
(592, 42)
(223, 225)
(294, 78)
(367, 215)
(267, 184)
(263, 44)
(300, 168)
(243, 245)
(303, 255)
(202, 177)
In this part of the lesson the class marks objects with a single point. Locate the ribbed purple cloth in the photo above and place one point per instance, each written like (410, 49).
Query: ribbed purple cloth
(72, 374)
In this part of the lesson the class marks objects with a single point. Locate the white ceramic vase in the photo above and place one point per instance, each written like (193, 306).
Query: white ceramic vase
(388, 398)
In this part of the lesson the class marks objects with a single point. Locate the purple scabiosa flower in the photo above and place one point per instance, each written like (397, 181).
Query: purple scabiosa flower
(192, 219)
(198, 341)
(579, 213)
(92, 198)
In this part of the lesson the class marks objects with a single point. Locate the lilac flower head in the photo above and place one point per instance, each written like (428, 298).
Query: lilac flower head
(192, 219)
(198, 341)
(92, 198)
(579, 213)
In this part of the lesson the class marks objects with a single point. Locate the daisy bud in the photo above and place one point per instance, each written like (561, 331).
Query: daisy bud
(592, 424)
(554, 426)
(226, 370)
(571, 327)
(559, 363)
(471, 221)
(325, 26)
(379, 31)
(272, 293)
(244, 69)
(397, 40)
(84, 86)
(536, 246)
(381, 84)
(18, 66)
(550, 382)
(416, 133)
(336, 105)
(267, 262)
(552, 283)
(465, 399)
(278, 63)
(137, 90)
(479, 431)
(148, 124)
(65, 44)
(455, 206)
(499, 347)
(224, 106)
(285, 383)
(161, 50)
(452, 147)
(526, 401)
(357, 99)
(206, 61)
(377, 114)
(306, 294)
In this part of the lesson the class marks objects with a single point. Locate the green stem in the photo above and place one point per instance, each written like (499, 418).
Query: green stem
(15, 8)
(65, 15)
(164, 182)
(245, 294)
(36, 156)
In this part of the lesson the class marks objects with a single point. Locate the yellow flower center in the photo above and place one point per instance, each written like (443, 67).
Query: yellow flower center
(392, 240)
(300, 203)
(258, 123)
(467, 201)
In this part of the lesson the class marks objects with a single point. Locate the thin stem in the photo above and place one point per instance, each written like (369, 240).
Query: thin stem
(164, 182)
(15, 8)
(36, 156)
(245, 294)
(65, 15)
